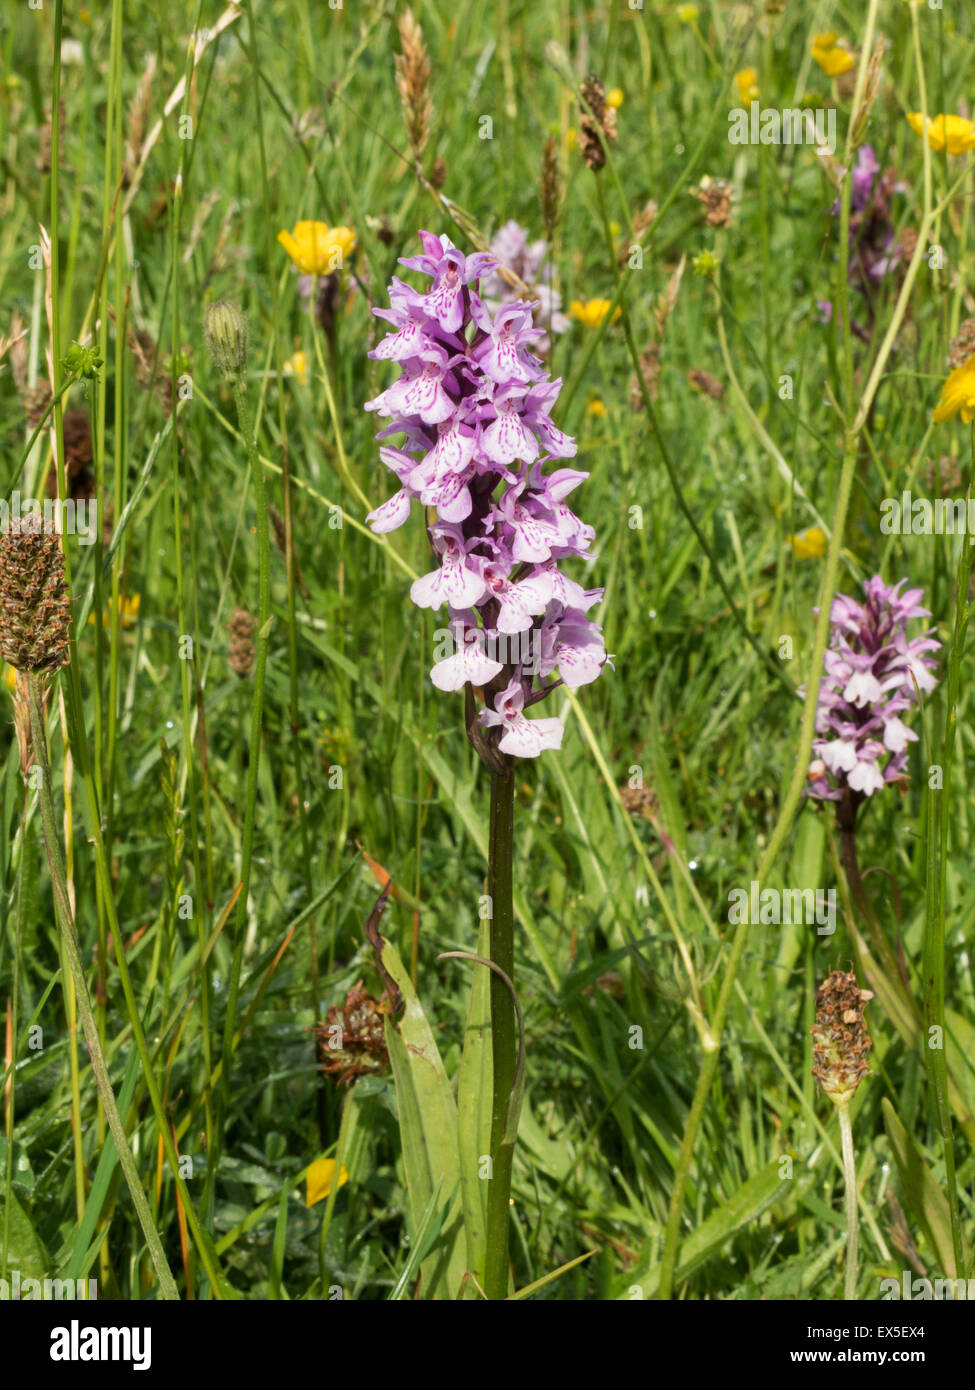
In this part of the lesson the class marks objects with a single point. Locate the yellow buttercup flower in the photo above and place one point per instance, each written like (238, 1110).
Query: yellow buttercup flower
(614, 98)
(318, 1179)
(833, 61)
(831, 56)
(958, 394)
(318, 249)
(808, 545)
(298, 366)
(687, 13)
(747, 83)
(10, 678)
(591, 312)
(951, 133)
(596, 407)
(130, 612)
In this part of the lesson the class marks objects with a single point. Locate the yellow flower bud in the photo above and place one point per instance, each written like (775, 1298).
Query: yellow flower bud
(225, 329)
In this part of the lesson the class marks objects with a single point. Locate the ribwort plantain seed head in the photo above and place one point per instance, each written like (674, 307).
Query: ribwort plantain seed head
(35, 608)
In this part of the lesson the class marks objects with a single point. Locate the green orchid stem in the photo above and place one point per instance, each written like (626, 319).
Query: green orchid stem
(72, 947)
(846, 812)
(852, 1219)
(503, 1029)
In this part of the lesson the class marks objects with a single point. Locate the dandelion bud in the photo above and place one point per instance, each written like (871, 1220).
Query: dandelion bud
(840, 1038)
(35, 609)
(225, 329)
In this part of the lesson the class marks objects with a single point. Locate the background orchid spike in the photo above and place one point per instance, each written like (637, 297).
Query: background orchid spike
(514, 251)
(473, 404)
(872, 675)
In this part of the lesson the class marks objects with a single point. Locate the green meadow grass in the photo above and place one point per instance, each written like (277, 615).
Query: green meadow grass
(638, 1088)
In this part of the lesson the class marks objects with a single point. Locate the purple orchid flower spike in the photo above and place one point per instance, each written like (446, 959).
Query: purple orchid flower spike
(870, 671)
(473, 405)
(875, 249)
(513, 249)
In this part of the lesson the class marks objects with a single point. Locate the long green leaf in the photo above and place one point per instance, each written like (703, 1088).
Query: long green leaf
(926, 1201)
(746, 1205)
(428, 1128)
(25, 1249)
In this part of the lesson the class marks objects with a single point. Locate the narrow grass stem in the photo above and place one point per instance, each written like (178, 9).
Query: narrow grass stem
(774, 667)
(846, 822)
(246, 420)
(72, 948)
